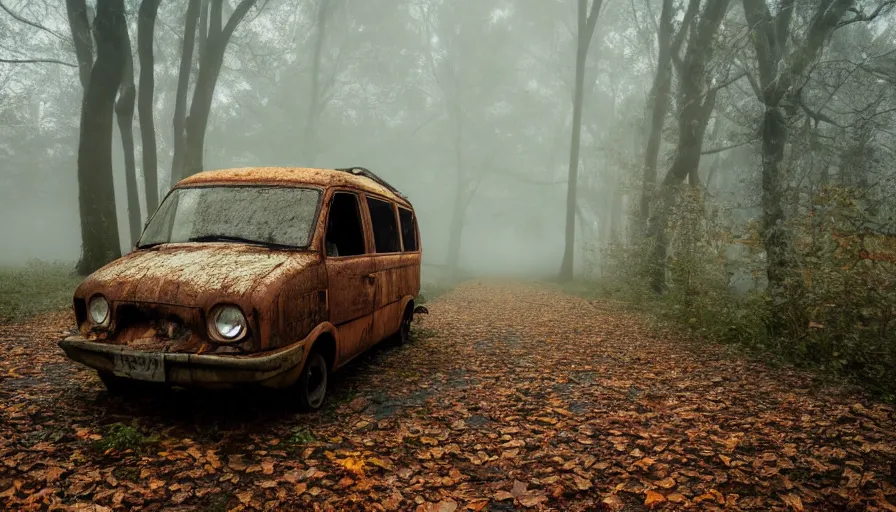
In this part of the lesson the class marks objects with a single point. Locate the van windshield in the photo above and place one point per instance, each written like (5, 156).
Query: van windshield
(272, 216)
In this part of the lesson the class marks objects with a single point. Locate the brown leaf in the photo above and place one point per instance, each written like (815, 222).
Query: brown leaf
(581, 483)
(666, 483)
(613, 502)
(518, 489)
(245, 497)
(794, 501)
(532, 500)
(653, 498)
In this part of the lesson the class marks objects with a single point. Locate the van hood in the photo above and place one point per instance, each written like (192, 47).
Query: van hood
(194, 276)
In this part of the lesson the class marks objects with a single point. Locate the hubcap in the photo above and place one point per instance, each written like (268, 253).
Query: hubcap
(316, 381)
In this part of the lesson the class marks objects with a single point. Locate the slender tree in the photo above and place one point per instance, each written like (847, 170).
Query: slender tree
(697, 104)
(183, 85)
(668, 44)
(124, 110)
(587, 20)
(96, 194)
(146, 21)
(315, 105)
(210, 63)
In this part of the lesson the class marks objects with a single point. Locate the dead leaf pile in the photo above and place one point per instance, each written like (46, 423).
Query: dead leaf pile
(512, 397)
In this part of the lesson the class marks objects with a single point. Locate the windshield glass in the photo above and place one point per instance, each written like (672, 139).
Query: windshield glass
(281, 216)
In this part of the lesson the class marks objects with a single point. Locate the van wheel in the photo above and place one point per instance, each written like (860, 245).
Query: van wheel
(313, 382)
(117, 386)
(403, 336)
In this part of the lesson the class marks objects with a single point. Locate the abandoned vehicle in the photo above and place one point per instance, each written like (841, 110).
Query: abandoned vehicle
(267, 276)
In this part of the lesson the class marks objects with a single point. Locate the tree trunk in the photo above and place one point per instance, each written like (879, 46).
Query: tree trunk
(774, 235)
(125, 111)
(455, 231)
(694, 117)
(80, 27)
(183, 84)
(209, 69)
(146, 21)
(459, 211)
(586, 23)
(309, 141)
(566, 267)
(659, 104)
(96, 194)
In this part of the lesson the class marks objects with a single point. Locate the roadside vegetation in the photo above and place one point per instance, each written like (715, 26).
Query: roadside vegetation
(837, 317)
(34, 288)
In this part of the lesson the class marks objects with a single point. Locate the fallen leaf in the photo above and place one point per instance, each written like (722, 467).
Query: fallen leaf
(653, 498)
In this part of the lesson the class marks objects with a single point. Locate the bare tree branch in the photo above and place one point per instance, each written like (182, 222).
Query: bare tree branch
(38, 61)
(726, 148)
(860, 16)
(34, 24)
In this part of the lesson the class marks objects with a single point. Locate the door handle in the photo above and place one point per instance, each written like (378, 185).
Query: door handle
(370, 278)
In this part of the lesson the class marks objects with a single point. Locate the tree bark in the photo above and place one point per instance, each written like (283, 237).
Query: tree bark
(96, 194)
(183, 84)
(80, 27)
(586, 23)
(146, 21)
(694, 117)
(209, 69)
(124, 110)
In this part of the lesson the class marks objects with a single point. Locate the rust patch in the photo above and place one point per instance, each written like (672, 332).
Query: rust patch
(290, 176)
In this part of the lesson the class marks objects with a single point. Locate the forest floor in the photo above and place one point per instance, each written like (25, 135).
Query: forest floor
(511, 397)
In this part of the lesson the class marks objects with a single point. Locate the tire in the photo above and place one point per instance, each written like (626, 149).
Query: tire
(403, 336)
(117, 386)
(313, 382)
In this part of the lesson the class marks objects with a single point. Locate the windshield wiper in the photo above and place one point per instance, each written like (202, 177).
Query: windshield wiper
(237, 239)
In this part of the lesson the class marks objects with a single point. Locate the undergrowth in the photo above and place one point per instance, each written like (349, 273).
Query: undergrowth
(840, 319)
(34, 288)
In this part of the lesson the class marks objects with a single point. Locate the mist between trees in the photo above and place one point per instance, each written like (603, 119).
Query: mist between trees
(725, 163)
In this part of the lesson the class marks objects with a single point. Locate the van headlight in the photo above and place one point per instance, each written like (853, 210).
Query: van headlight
(98, 310)
(227, 323)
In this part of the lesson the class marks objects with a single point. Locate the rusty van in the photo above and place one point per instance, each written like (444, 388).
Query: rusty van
(266, 276)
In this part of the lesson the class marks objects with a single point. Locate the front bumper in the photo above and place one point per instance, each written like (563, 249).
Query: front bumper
(276, 369)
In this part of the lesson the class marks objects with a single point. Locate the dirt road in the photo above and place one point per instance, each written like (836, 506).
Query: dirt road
(511, 397)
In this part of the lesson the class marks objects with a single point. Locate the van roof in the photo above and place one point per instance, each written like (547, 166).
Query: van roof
(356, 177)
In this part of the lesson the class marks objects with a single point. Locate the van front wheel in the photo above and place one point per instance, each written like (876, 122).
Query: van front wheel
(313, 382)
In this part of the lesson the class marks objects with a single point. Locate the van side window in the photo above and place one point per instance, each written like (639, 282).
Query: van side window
(345, 233)
(385, 227)
(408, 231)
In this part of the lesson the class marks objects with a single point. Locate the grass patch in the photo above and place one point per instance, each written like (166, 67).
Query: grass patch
(121, 437)
(34, 288)
(300, 436)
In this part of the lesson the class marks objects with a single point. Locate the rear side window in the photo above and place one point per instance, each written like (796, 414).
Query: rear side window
(385, 228)
(408, 231)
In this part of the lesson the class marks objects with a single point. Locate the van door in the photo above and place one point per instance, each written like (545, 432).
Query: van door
(389, 276)
(350, 274)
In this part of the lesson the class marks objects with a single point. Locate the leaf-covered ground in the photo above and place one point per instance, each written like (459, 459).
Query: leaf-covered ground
(512, 397)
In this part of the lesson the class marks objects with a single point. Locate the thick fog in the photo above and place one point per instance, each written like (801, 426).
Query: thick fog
(465, 106)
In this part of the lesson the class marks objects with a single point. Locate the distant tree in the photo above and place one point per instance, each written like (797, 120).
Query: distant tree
(782, 59)
(668, 44)
(696, 101)
(587, 20)
(183, 84)
(146, 20)
(211, 58)
(96, 194)
(124, 110)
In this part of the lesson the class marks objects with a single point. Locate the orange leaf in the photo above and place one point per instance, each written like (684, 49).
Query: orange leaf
(654, 498)
(794, 501)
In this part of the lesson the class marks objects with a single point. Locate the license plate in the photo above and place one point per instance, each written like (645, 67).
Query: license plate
(149, 367)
